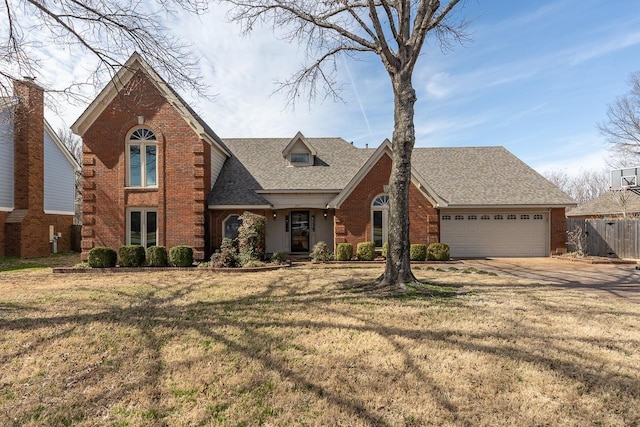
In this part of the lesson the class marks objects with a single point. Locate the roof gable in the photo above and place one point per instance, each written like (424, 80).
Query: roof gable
(385, 149)
(122, 78)
(296, 141)
(610, 203)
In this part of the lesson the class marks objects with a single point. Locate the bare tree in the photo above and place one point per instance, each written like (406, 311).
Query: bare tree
(587, 185)
(395, 31)
(622, 128)
(109, 30)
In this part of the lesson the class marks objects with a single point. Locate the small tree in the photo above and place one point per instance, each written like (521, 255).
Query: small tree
(251, 237)
(577, 241)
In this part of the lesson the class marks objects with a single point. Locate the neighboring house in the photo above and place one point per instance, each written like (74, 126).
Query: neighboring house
(612, 204)
(155, 173)
(36, 178)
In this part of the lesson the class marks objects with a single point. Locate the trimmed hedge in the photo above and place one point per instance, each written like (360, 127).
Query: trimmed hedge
(418, 252)
(320, 252)
(131, 256)
(344, 252)
(157, 256)
(385, 250)
(181, 256)
(366, 251)
(102, 257)
(438, 252)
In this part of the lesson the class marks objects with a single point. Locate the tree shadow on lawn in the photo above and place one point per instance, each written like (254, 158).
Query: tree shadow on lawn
(154, 319)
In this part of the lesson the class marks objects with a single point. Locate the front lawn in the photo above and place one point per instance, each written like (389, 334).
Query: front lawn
(310, 347)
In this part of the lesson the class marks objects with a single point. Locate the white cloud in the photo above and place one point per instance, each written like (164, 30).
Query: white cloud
(439, 85)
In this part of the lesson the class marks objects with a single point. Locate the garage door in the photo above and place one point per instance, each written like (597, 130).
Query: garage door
(513, 234)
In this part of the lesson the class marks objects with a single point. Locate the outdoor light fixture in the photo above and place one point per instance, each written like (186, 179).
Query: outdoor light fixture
(275, 215)
(325, 213)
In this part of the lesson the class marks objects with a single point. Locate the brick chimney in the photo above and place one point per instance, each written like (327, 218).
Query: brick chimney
(29, 146)
(26, 228)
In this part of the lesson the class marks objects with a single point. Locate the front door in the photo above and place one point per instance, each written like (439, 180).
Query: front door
(300, 231)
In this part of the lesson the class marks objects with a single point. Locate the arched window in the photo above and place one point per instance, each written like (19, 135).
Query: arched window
(230, 226)
(142, 149)
(380, 220)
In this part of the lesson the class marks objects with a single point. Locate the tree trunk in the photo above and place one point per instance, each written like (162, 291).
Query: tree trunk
(398, 268)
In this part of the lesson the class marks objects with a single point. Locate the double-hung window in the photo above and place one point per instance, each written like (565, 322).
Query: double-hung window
(142, 150)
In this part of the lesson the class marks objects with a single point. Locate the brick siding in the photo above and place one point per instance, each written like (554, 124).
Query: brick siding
(352, 222)
(183, 168)
(558, 224)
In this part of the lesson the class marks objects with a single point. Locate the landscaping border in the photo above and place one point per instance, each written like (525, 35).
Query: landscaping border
(112, 270)
(596, 260)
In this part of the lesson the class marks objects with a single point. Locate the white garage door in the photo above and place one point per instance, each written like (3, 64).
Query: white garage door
(512, 234)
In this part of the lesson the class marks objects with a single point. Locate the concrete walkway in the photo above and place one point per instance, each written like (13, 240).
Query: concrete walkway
(619, 280)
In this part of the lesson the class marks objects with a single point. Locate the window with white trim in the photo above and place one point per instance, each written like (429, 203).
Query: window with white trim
(142, 150)
(300, 158)
(380, 220)
(142, 226)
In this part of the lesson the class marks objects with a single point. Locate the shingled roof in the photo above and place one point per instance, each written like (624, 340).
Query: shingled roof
(257, 164)
(608, 205)
(460, 176)
(485, 176)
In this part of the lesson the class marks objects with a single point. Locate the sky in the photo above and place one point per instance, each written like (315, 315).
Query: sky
(536, 77)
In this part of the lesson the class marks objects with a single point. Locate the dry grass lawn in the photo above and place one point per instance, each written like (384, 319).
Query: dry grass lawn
(307, 347)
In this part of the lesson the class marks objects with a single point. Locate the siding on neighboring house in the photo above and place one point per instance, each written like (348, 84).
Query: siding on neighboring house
(59, 176)
(6, 162)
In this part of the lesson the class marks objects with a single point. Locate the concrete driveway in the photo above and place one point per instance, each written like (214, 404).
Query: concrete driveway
(619, 280)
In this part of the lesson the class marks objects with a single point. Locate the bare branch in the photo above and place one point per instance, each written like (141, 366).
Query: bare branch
(622, 128)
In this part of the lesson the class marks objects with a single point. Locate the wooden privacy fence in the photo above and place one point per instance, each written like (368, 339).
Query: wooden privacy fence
(609, 237)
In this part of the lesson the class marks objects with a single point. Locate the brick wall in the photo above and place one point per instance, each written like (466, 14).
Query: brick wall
(28, 234)
(3, 218)
(352, 222)
(183, 166)
(558, 223)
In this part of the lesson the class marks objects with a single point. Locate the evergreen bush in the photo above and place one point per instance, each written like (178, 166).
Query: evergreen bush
(344, 252)
(366, 251)
(181, 256)
(251, 237)
(418, 252)
(102, 257)
(157, 256)
(385, 250)
(438, 252)
(131, 256)
(320, 252)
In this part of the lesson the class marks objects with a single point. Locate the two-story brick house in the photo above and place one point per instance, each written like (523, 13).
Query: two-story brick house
(155, 173)
(37, 178)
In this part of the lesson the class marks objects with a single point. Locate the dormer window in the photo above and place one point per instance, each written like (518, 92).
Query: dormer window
(299, 152)
(300, 158)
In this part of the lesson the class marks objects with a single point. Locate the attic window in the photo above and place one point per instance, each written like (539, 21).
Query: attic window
(300, 158)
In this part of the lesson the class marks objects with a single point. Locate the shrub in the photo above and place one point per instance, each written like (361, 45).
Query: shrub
(320, 252)
(278, 258)
(385, 250)
(181, 256)
(438, 252)
(418, 252)
(251, 237)
(344, 252)
(157, 256)
(102, 257)
(227, 256)
(131, 256)
(366, 251)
